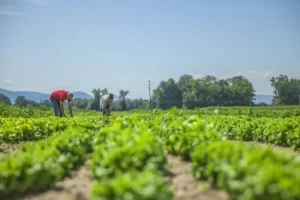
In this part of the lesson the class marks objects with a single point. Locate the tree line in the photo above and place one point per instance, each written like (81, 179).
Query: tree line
(23, 102)
(88, 104)
(188, 92)
(121, 105)
(208, 91)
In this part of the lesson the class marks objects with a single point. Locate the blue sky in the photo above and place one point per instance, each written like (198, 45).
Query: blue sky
(81, 45)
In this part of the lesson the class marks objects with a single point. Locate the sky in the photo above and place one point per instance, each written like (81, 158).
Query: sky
(80, 45)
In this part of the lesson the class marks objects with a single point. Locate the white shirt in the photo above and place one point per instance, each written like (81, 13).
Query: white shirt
(104, 102)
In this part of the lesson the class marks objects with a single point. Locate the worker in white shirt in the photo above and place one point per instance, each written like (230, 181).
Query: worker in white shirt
(106, 103)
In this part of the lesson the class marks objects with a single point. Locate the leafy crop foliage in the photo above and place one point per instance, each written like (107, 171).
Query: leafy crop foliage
(30, 112)
(13, 130)
(282, 132)
(128, 151)
(128, 159)
(248, 172)
(144, 185)
(40, 165)
(183, 134)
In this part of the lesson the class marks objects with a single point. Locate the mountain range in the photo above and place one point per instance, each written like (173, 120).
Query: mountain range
(37, 96)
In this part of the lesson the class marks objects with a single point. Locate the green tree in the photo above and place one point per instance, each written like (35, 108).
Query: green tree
(185, 83)
(241, 91)
(104, 91)
(95, 104)
(80, 103)
(207, 91)
(122, 95)
(224, 96)
(189, 100)
(4, 99)
(167, 95)
(32, 103)
(46, 103)
(286, 90)
(21, 101)
(137, 103)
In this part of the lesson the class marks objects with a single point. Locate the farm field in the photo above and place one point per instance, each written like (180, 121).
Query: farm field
(210, 153)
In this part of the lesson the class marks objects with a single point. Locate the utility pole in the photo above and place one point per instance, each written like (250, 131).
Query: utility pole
(149, 87)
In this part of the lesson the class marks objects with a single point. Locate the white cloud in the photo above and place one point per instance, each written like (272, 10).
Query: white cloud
(150, 77)
(8, 82)
(262, 73)
(39, 2)
(5, 12)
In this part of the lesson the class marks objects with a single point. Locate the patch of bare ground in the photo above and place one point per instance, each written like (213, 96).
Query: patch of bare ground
(76, 187)
(9, 148)
(185, 186)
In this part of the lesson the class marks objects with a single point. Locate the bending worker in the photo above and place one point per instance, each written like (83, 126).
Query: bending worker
(106, 103)
(57, 99)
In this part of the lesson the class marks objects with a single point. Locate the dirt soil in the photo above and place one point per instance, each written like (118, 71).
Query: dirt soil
(185, 186)
(8, 148)
(76, 187)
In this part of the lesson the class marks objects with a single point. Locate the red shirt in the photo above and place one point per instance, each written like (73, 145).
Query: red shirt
(59, 95)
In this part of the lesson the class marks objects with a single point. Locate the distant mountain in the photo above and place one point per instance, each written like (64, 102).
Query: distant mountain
(37, 96)
(263, 98)
(82, 95)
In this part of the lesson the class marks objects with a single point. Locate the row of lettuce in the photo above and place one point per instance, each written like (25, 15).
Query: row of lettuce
(37, 166)
(37, 112)
(14, 130)
(272, 112)
(256, 111)
(278, 131)
(128, 160)
(129, 163)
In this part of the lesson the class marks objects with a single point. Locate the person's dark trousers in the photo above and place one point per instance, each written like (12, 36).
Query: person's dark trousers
(56, 107)
(105, 110)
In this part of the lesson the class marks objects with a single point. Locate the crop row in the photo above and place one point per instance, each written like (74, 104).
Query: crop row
(39, 165)
(269, 111)
(131, 148)
(254, 112)
(281, 132)
(246, 172)
(13, 130)
(37, 112)
(278, 131)
(128, 163)
(272, 112)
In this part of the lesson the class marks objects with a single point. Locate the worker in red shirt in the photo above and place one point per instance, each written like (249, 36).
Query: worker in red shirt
(57, 99)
